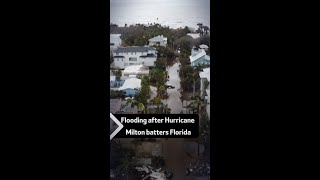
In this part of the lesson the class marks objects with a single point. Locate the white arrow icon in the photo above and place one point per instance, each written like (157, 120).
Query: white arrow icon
(120, 126)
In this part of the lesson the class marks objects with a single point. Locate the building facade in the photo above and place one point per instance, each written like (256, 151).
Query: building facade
(115, 41)
(134, 55)
(205, 88)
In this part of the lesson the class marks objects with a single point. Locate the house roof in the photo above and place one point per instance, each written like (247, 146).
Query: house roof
(129, 109)
(115, 105)
(132, 83)
(133, 69)
(194, 35)
(134, 49)
(203, 46)
(159, 38)
(205, 73)
(206, 57)
(197, 56)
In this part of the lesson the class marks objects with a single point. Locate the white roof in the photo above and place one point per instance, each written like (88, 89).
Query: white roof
(198, 55)
(112, 78)
(206, 57)
(205, 73)
(132, 83)
(132, 69)
(159, 38)
(203, 46)
(194, 35)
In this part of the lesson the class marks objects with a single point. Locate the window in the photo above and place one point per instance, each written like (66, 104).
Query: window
(133, 59)
(111, 44)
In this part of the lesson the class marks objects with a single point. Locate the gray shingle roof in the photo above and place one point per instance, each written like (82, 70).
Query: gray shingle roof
(134, 49)
(115, 105)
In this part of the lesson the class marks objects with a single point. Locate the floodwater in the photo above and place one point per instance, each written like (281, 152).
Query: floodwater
(172, 13)
(174, 101)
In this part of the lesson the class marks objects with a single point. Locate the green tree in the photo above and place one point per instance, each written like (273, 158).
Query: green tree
(185, 43)
(118, 74)
(142, 108)
(145, 92)
(161, 90)
(157, 101)
(161, 62)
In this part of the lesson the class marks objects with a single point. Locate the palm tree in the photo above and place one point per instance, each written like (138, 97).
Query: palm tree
(200, 28)
(206, 28)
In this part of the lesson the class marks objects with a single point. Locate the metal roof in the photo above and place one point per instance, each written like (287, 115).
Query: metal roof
(132, 83)
(159, 38)
(198, 55)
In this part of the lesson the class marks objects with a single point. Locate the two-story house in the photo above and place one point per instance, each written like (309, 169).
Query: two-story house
(199, 56)
(134, 55)
(158, 41)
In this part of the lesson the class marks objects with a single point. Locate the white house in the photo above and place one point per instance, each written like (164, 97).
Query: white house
(134, 55)
(115, 41)
(131, 86)
(158, 40)
(199, 56)
(204, 47)
(205, 91)
(194, 35)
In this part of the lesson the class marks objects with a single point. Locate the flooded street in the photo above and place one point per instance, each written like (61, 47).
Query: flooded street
(174, 101)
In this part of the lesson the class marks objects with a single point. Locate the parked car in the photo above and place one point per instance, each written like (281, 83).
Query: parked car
(169, 86)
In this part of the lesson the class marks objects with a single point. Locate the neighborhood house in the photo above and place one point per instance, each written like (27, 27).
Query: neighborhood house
(131, 86)
(203, 46)
(158, 40)
(134, 55)
(198, 57)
